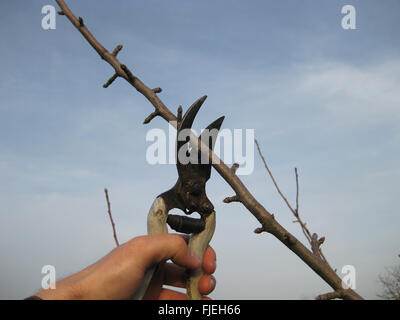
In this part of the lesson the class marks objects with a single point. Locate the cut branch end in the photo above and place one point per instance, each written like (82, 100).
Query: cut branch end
(265, 227)
(259, 230)
(232, 199)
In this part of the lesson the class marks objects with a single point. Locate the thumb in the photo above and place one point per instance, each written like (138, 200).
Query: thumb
(161, 247)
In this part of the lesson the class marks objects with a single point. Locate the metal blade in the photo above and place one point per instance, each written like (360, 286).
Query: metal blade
(186, 123)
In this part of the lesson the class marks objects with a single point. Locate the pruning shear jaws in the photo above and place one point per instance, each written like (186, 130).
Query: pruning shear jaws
(189, 195)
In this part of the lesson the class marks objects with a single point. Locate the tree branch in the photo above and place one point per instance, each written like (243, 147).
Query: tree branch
(117, 49)
(111, 218)
(260, 213)
(232, 199)
(151, 116)
(315, 243)
(111, 80)
(297, 191)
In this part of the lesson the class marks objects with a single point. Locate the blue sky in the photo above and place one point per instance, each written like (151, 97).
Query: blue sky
(320, 98)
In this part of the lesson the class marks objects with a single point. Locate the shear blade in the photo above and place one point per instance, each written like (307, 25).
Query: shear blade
(188, 119)
(191, 113)
(214, 133)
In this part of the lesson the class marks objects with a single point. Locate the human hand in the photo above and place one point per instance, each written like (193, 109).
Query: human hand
(118, 275)
(175, 275)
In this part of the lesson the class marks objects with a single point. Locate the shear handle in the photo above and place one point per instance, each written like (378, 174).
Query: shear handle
(198, 243)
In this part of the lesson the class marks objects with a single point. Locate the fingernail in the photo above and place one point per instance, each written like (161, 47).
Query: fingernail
(213, 283)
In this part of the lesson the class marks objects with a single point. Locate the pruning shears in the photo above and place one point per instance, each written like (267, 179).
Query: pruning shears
(189, 195)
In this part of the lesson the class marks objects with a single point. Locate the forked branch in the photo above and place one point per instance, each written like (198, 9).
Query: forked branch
(313, 240)
(266, 219)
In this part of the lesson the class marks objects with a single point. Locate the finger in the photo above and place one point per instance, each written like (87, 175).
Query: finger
(155, 285)
(209, 260)
(161, 247)
(185, 237)
(207, 284)
(175, 276)
(167, 294)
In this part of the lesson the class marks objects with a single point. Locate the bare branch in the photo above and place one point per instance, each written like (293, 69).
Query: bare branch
(390, 283)
(247, 199)
(117, 49)
(111, 218)
(273, 179)
(264, 227)
(110, 81)
(151, 116)
(232, 199)
(157, 90)
(315, 244)
(235, 198)
(259, 230)
(297, 191)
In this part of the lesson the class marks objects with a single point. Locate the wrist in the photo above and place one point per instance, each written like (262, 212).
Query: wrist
(65, 290)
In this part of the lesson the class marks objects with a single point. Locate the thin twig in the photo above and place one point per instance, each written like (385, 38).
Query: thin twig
(306, 232)
(151, 116)
(297, 191)
(117, 49)
(260, 213)
(303, 225)
(315, 243)
(273, 179)
(111, 80)
(111, 218)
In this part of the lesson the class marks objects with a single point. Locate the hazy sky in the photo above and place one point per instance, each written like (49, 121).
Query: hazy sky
(320, 98)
